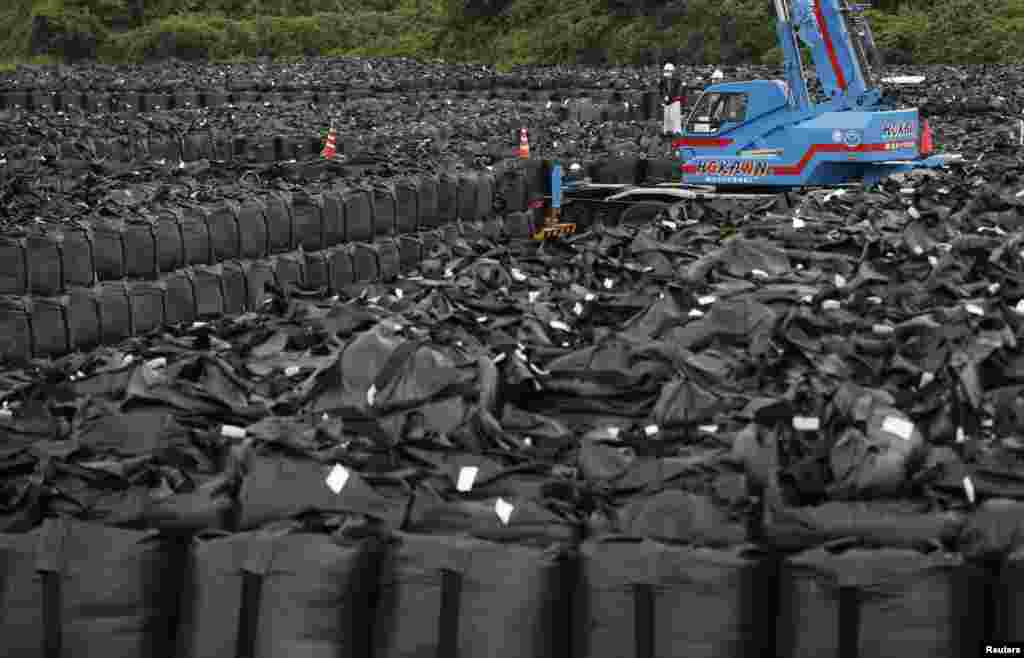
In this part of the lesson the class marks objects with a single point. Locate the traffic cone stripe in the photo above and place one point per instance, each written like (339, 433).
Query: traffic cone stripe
(331, 147)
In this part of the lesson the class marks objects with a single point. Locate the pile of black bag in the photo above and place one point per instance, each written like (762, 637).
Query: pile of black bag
(788, 428)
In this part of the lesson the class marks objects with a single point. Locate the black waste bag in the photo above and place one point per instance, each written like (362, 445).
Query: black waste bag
(106, 491)
(993, 531)
(382, 375)
(278, 593)
(684, 402)
(739, 321)
(472, 476)
(516, 520)
(623, 475)
(866, 603)
(197, 385)
(894, 524)
(133, 432)
(23, 490)
(679, 517)
(639, 598)
(990, 477)
(82, 589)
(278, 487)
(612, 368)
(459, 596)
(1008, 596)
(877, 461)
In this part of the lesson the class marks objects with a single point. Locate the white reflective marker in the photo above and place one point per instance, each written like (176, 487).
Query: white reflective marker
(337, 478)
(901, 427)
(806, 423)
(504, 510)
(232, 432)
(467, 476)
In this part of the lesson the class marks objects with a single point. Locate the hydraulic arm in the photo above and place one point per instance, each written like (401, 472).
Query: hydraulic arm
(841, 46)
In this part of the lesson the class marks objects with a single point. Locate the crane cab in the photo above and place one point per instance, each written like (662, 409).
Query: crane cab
(728, 115)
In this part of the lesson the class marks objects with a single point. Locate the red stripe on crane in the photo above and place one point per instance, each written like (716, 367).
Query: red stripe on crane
(719, 142)
(829, 48)
(797, 169)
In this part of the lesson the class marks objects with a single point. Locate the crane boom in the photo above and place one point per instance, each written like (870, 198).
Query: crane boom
(797, 94)
(841, 46)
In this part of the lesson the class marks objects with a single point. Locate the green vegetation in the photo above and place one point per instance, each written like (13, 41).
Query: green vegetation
(522, 32)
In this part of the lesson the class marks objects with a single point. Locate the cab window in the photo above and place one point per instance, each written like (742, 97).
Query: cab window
(734, 108)
(718, 108)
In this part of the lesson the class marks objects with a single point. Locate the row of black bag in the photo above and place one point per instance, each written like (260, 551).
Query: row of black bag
(136, 102)
(142, 242)
(74, 588)
(223, 146)
(80, 317)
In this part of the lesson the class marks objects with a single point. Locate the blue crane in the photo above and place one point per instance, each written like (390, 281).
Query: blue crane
(773, 133)
(761, 137)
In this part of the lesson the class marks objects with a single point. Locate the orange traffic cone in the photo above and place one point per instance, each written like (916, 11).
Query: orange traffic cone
(524, 144)
(331, 147)
(926, 139)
